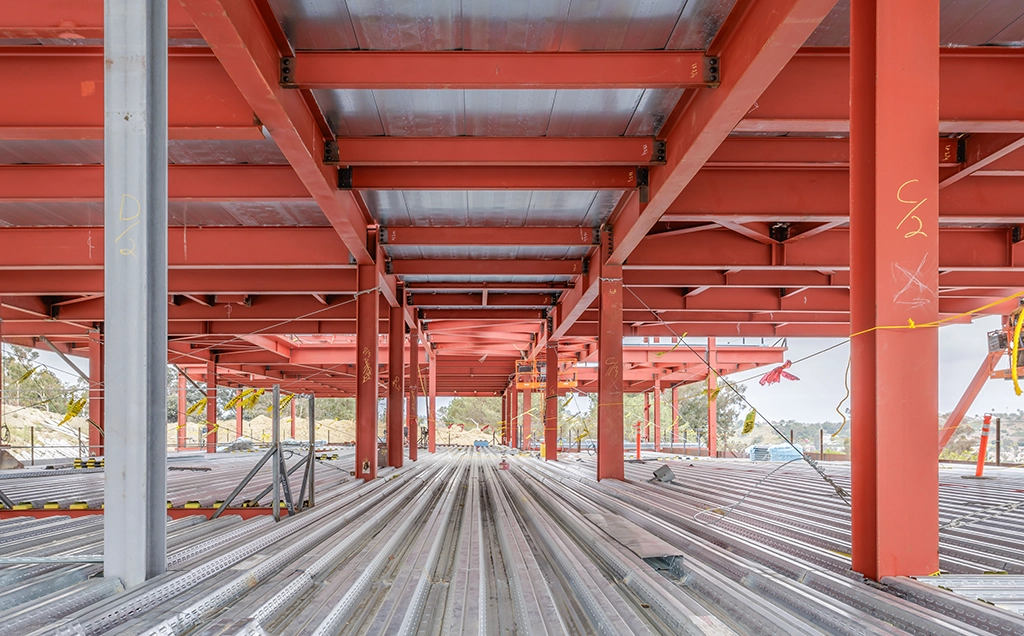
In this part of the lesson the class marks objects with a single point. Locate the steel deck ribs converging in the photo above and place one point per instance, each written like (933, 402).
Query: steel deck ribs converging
(456, 545)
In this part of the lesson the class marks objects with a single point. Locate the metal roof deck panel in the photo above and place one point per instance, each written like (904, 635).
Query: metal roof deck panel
(50, 213)
(486, 252)
(961, 23)
(491, 208)
(246, 213)
(179, 151)
(500, 25)
(503, 113)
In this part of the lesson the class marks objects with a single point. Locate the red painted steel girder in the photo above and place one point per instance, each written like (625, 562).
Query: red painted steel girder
(520, 288)
(499, 69)
(754, 46)
(802, 152)
(187, 248)
(962, 249)
(421, 301)
(510, 236)
(506, 151)
(75, 20)
(739, 195)
(245, 46)
(272, 183)
(324, 282)
(482, 267)
(746, 195)
(56, 92)
(184, 183)
(485, 313)
(812, 93)
(493, 177)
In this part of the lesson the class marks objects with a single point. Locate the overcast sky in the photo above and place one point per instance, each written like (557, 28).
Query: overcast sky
(815, 397)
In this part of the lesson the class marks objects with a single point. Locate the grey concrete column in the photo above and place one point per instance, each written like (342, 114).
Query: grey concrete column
(135, 284)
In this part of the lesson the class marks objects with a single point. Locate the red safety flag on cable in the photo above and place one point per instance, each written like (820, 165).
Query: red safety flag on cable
(777, 374)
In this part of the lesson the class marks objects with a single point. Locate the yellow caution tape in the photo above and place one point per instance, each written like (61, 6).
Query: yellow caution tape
(748, 421)
(74, 408)
(238, 398)
(679, 342)
(195, 408)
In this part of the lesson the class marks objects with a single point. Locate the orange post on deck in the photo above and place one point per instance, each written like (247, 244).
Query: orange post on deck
(983, 447)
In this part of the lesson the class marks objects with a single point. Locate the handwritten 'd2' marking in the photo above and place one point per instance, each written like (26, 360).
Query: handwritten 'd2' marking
(128, 251)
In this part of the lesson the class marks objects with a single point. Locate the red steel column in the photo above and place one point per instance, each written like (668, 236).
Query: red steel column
(610, 450)
(675, 415)
(367, 318)
(414, 382)
(657, 414)
(238, 417)
(504, 418)
(527, 434)
(513, 420)
(96, 391)
(712, 399)
(182, 408)
(551, 399)
(647, 416)
(396, 383)
(211, 407)
(894, 279)
(432, 402)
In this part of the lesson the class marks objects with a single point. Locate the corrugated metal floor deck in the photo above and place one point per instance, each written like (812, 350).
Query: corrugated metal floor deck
(453, 544)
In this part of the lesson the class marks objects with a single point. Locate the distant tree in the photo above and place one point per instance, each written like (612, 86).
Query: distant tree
(471, 412)
(27, 383)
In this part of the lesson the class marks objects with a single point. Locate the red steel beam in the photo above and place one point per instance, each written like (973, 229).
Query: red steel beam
(478, 300)
(59, 94)
(499, 69)
(804, 152)
(981, 151)
(490, 177)
(292, 281)
(794, 195)
(81, 19)
(490, 313)
(258, 248)
(738, 195)
(184, 183)
(243, 43)
(755, 43)
(498, 267)
(962, 249)
(812, 93)
(504, 236)
(505, 151)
